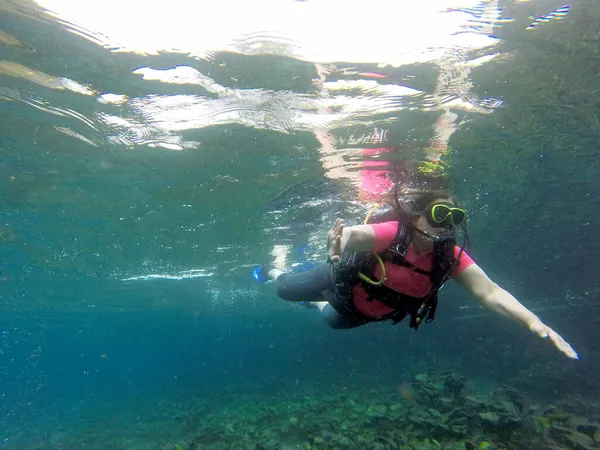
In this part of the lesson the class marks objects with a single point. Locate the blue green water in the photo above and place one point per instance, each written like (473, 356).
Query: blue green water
(136, 197)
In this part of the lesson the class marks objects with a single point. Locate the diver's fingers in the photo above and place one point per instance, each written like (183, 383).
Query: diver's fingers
(334, 240)
(561, 344)
(331, 233)
(335, 225)
(545, 332)
(334, 249)
(336, 229)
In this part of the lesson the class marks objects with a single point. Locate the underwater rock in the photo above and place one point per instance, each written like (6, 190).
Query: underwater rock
(511, 406)
(458, 413)
(589, 429)
(318, 440)
(343, 440)
(489, 419)
(434, 412)
(556, 416)
(377, 411)
(420, 421)
(454, 384)
(460, 427)
(421, 377)
(327, 435)
(508, 413)
(475, 403)
(504, 407)
(514, 396)
(446, 404)
(574, 440)
(441, 428)
(511, 422)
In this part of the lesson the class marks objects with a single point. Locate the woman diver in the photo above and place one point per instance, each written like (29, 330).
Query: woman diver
(394, 268)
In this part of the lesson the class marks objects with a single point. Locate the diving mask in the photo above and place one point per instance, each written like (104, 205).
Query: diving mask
(444, 215)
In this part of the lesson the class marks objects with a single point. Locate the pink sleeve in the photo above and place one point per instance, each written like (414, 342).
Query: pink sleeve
(384, 234)
(465, 261)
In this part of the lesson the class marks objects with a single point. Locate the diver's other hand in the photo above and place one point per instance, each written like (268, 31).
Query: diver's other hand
(546, 332)
(334, 241)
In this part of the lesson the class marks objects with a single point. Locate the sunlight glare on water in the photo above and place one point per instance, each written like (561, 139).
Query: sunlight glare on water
(400, 33)
(395, 33)
(336, 86)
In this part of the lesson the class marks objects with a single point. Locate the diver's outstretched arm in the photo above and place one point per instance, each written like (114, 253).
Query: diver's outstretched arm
(492, 296)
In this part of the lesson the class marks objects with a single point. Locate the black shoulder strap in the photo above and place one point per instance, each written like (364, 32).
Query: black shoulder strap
(418, 309)
(402, 240)
(346, 276)
(396, 252)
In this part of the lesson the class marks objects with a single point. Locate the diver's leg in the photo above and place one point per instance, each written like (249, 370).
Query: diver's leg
(303, 286)
(340, 321)
(320, 305)
(308, 286)
(274, 273)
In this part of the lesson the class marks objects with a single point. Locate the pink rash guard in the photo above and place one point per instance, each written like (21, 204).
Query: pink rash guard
(400, 279)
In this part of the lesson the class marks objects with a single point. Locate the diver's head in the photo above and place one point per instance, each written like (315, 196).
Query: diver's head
(441, 213)
(434, 219)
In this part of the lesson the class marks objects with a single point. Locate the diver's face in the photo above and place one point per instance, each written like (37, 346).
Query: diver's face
(423, 224)
(420, 242)
(423, 243)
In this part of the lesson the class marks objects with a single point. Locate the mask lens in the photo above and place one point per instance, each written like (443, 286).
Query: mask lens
(458, 216)
(439, 213)
(445, 215)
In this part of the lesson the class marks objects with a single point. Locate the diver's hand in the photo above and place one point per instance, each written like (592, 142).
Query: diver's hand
(334, 241)
(546, 332)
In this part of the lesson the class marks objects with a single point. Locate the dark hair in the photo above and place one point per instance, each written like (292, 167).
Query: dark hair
(414, 203)
(414, 189)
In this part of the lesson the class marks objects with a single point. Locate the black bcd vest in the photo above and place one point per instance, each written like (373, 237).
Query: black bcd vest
(346, 272)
